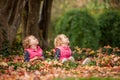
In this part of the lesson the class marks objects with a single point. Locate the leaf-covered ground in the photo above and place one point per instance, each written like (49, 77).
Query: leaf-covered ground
(50, 70)
(102, 65)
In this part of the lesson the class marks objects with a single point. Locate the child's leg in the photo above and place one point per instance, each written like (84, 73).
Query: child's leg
(86, 61)
(71, 59)
(64, 60)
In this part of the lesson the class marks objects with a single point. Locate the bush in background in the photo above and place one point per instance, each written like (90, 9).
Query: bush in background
(109, 22)
(80, 27)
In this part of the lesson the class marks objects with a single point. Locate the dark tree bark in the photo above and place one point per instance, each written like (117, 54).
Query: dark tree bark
(44, 22)
(31, 17)
(10, 14)
(115, 4)
(36, 20)
(24, 20)
(35, 15)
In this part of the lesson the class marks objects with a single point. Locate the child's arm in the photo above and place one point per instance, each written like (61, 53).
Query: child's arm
(43, 56)
(38, 58)
(57, 53)
(35, 58)
(26, 56)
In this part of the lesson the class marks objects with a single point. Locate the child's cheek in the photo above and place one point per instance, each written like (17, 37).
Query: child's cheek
(37, 41)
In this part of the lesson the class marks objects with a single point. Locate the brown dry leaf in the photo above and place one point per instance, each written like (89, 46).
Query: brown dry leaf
(88, 49)
(3, 64)
(117, 69)
(108, 46)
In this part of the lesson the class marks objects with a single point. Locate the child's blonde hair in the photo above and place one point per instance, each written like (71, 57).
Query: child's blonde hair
(26, 41)
(58, 41)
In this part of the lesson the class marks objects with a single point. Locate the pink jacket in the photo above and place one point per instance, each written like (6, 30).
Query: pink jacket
(34, 53)
(65, 52)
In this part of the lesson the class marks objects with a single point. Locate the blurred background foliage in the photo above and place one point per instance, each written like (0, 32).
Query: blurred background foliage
(80, 27)
(109, 23)
(83, 21)
(87, 23)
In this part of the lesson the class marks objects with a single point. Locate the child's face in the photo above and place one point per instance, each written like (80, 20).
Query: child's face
(33, 41)
(65, 39)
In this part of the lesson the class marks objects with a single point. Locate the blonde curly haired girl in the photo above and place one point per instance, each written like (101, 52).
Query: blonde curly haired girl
(62, 49)
(31, 49)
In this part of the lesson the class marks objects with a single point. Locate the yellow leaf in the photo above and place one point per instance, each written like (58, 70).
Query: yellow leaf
(92, 52)
(3, 64)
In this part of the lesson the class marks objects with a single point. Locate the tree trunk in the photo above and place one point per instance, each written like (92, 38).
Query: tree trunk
(44, 22)
(31, 17)
(10, 14)
(36, 18)
(112, 3)
(24, 20)
(115, 4)
(33, 22)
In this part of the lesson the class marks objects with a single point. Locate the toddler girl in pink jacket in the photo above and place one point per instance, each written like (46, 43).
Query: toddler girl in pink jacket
(31, 49)
(62, 49)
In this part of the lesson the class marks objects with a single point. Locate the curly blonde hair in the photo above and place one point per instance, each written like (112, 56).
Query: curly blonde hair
(59, 40)
(26, 42)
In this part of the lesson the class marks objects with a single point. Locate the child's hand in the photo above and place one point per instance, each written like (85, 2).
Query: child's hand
(35, 58)
(40, 58)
